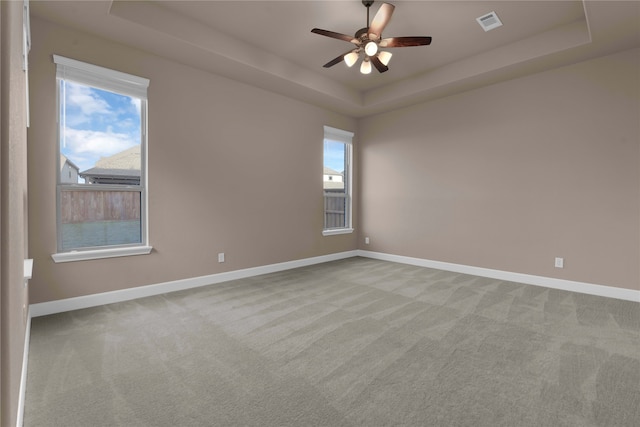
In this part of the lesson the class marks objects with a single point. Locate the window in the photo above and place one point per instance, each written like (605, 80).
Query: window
(337, 181)
(101, 162)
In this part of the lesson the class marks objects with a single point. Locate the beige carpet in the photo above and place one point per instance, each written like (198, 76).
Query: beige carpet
(357, 342)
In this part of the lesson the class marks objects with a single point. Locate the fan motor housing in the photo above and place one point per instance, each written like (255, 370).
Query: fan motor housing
(361, 32)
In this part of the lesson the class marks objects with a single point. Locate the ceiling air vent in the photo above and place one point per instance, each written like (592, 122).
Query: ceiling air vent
(489, 21)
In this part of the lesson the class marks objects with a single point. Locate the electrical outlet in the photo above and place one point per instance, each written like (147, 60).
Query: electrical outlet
(559, 262)
(221, 257)
(366, 240)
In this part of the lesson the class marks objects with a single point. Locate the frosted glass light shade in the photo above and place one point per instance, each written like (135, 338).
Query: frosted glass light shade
(350, 58)
(365, 68)
(371, 48)
(385, 57)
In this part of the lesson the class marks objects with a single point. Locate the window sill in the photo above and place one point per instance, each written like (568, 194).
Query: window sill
(100, 253)
(335, 231)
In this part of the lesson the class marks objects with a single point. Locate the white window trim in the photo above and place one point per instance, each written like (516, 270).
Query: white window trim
(345, 137)
(123, 83)
(101, 253)
(335, 231)
(100, 77)
(26, 47)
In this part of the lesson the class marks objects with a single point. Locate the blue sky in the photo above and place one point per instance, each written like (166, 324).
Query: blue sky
(96, 123)
(334, 155)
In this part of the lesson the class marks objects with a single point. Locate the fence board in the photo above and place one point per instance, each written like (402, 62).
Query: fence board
(99, 205)
(334, 210)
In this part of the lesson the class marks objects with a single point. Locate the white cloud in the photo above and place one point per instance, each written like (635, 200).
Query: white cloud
(83, 103)
(135, 103)
(86, 100)
(90, 145)
(128, 123)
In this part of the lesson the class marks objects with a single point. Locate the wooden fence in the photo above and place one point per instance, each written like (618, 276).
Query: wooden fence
(99, 205)
(334, 209)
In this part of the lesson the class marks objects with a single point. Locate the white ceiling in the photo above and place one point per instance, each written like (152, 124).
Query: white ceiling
(269, 44)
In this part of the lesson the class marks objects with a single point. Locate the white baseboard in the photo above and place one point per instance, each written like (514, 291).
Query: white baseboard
(548, 282)
(69, 304)
(60, 306)
(23, 376)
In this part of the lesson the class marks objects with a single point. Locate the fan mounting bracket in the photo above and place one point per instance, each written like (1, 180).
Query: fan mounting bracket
(367, 3)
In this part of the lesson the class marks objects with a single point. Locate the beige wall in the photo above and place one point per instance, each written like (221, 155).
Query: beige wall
(232, 169)
(13, 209)
(512, 175)
(504, 177)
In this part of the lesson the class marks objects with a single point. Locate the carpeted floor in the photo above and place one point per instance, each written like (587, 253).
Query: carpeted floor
(356, 342)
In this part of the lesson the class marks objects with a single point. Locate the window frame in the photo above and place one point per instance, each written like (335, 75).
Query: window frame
(123, 84)
(345, 137)
(26, 48)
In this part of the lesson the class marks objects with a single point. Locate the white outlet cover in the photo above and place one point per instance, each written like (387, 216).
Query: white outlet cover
(559, 262)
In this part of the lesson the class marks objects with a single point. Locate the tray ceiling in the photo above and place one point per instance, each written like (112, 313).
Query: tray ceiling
(269, 44)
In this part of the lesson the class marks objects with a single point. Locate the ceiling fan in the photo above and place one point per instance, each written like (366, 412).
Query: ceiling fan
(369, 40)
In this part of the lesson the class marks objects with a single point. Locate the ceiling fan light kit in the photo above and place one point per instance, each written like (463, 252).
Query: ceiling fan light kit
(385, 57)
(365, 68)
(351, 58)
(371, 48)
(368, 40)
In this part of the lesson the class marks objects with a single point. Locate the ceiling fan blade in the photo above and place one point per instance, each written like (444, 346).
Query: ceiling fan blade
(378, 64)
(335, 35)
(380, 21)
(405, 41)
(336, 60)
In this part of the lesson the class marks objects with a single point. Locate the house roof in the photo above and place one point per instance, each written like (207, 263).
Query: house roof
(104, 172)
(122, 165)
(128, 159)
(64, 159)
(329, 171)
